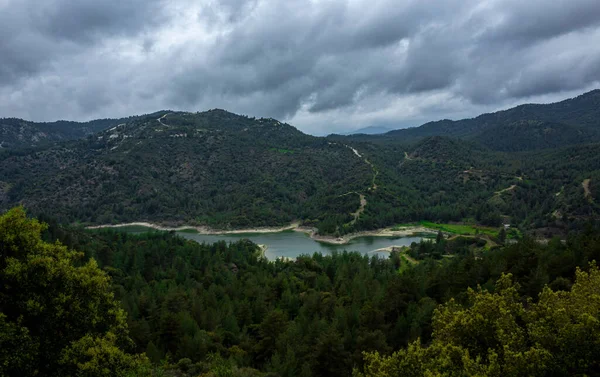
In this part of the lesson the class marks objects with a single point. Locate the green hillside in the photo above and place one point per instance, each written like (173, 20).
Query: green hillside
(229, 171)
(525, 127)
(449, 180)
(213, 168)
(534, 135)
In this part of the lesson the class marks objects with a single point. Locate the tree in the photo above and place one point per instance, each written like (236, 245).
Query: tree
(270, 329)
(58, 316)
(502, 235)
(330, 357)
(499, 336)
(439, 237)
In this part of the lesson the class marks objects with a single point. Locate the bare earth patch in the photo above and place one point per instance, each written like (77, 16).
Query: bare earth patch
(587, 193)
(512, 187)
(361, 209)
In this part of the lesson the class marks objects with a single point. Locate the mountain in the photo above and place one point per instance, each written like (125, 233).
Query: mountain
(534, 134)
(226, 171)
(212, 168)
(531, 126)
(371, 130)
(19, 133)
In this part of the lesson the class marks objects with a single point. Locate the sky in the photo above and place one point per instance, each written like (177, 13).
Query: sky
(323, 66)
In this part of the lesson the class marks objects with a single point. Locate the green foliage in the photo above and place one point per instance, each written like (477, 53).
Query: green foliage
(534, 135)
(190, 301)
(496, 335)
(222, 310)
(58, 315)
(282, 150)
(223, 173)
(460, 228)
(445, 181)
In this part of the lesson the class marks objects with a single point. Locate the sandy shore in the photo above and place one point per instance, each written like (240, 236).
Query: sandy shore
(199, 229)
(389, 249)
(386, 232)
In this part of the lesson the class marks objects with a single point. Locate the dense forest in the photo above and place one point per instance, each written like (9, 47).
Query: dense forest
(226, 171)
(508, 287)
(448, 180)
(213, 168)
(222, 310)
(578, 120)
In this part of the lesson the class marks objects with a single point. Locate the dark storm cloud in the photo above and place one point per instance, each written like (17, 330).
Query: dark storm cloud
(87, 20)
(35, 33)
(309, 62)
(530, 21)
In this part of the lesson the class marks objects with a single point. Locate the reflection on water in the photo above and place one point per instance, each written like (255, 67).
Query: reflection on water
(290, 244)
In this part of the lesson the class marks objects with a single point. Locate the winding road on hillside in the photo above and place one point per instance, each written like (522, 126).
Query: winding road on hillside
(512, 187)
(375, 171)
(373, 187)
(161, 118)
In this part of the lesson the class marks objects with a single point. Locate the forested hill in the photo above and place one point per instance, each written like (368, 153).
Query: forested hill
(228, 171)
(212, 168)
(525, 127)
(19, 133)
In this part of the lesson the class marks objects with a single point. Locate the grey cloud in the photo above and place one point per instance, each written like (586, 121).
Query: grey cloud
(525, 22)
(227, 11)
(87, 20)
(387, 61)
(328, 49)
(539, 80)
(35, 33)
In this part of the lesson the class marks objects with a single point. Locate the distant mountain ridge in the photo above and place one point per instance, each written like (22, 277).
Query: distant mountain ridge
(526, 127)
(371, 130)
(580, 117)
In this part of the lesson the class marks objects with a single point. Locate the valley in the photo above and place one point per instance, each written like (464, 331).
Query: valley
(276, 188)
(243, 245)
(220, 170)
(291, 245)
(294, 240)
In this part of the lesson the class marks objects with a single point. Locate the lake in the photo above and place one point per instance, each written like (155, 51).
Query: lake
(290, 244)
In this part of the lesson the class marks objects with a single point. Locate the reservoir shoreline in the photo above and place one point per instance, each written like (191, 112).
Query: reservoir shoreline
(311, 232)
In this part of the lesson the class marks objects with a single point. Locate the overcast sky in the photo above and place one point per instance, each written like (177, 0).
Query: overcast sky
(323, 66)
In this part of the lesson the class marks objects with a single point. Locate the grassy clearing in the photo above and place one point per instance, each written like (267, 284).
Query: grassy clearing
(282, 150)
(450, 228)
(460, 228)
(406, 263)
(426, 235)
(514, 233)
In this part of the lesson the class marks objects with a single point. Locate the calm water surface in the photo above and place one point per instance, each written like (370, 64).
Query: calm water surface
(291, 244)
